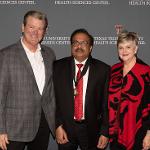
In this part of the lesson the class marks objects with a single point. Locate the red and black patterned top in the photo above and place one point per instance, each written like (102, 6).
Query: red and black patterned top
(129, 103)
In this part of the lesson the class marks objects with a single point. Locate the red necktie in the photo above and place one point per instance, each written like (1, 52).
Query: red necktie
(78, 100)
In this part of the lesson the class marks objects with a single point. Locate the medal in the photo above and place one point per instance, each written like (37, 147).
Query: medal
(75, 92)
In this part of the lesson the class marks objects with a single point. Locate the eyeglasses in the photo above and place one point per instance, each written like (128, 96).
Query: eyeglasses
(82, 43)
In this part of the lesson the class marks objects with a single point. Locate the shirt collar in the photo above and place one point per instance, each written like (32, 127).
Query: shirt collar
(27, 49)
(83, 62)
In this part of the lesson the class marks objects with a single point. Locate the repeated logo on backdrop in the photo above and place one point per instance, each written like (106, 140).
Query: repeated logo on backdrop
(139, 2)
(98, 39)
(17, 2)
(85, 2)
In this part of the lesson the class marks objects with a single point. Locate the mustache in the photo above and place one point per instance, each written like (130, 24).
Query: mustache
(79, 49)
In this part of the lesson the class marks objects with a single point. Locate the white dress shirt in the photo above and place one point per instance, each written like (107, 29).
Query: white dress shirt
(37, 64)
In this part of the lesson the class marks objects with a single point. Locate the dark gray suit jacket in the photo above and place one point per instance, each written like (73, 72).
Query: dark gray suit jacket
(20, 100)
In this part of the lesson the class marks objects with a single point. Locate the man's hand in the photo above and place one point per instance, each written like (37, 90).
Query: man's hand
(3, 141)
(61, 135)
(102, 142)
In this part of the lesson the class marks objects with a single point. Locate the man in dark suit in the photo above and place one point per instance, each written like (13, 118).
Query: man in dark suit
(81, 100)
(27, 102)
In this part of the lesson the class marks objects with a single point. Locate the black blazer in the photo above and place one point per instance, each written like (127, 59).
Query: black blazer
(96, 110)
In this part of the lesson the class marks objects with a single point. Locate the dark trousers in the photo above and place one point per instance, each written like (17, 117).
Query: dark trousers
(40, 142)
(116, 146)
(80, 139)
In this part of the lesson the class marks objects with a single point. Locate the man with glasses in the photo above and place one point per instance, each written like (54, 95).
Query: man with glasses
(81, 84)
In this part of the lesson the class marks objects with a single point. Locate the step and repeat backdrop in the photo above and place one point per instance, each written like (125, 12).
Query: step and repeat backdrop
(102, 18)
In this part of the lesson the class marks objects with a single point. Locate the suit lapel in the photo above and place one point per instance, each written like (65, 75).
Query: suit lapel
(71, 70)
(69, 75)
(25, 59)
(69, 80)
(90, 81)
(48, 68)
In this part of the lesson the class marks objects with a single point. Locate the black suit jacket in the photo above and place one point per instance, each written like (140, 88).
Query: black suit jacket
(96, 110)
